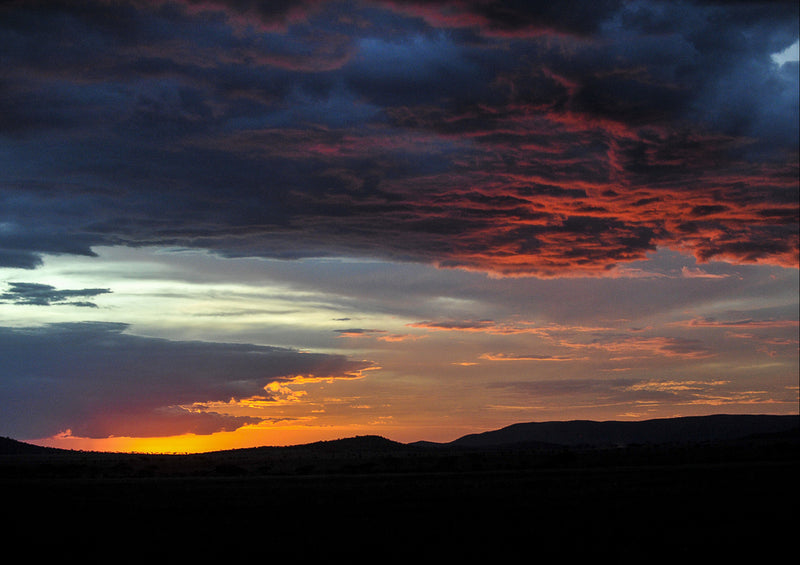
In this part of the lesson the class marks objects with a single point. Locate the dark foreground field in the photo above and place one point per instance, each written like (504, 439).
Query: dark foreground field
(629, 515)
(373, 501)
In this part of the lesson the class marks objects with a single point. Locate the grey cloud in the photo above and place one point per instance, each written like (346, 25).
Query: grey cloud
(19, 259)
(415, 70)
(97, 380)
(358, 331)
(568, 387)
(46, 295)
(160, 422)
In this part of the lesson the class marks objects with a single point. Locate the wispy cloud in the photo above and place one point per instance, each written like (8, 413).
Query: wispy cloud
(358, 332)
(527, 357)
(646, 393)
(38, 294)
(738, 323)
(697, 273)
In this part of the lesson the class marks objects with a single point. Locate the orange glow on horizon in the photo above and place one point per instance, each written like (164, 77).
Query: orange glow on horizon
(245, 437)
(279, 435)
(248, 436)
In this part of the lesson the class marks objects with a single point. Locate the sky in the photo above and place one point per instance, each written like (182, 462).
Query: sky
(232, 223)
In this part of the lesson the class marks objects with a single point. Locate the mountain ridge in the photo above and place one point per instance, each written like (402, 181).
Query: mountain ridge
(9, 446)
(573, 433)
(547, 434)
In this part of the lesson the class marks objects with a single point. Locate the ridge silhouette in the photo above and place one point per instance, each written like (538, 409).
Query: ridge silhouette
(715, 486)
(550, 434)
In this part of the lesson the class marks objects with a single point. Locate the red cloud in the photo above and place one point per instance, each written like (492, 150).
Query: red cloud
(504, 19)
(539, 198)
(561, 164)
(743, 323)
(266, 16)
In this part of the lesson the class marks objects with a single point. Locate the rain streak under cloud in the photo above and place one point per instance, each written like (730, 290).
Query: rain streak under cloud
(233, 223)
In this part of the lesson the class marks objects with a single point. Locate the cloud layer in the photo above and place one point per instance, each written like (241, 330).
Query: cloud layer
(96, 380)
(46, 295)
(516, 138)
(624, 171)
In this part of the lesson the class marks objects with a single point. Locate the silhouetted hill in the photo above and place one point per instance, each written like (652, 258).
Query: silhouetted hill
(697, 429)
(531, 435)
(525, 446)
(390, 502)
(10, 446)
(363, 444)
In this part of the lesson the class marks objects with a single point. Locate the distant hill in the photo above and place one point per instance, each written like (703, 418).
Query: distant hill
(370, 443)
(357, 444)
(555, 434)
(612, 433)
(10, 446)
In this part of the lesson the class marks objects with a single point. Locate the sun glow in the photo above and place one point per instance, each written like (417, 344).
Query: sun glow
(248, 436)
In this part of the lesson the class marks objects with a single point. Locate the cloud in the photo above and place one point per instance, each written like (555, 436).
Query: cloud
(158, 422)
(358, 332)
(274, 15)
(624, 346)
(498, 328)
(458, 325)
(507, 328)
(510, 138)
(558, 387)
(645, 393)
(47, 295)
(97, 380)
(697, 273)
(527, 357)
(511, 18)
(738, 323)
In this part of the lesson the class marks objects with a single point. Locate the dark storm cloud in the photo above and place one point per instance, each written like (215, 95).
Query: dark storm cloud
(46, 295)
(512, 17)
(97, 380)
(358, 332)
(509, 137)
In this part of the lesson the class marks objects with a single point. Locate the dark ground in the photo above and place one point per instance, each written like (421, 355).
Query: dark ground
(376, 502)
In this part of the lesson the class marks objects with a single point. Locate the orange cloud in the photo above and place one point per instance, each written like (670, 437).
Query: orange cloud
(527, 357)
(742, 323)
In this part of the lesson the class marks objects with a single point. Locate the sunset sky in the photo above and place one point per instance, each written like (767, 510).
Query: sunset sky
(231, 223)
